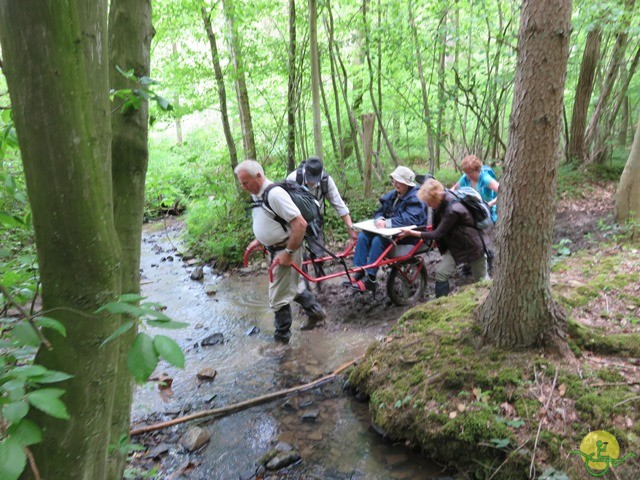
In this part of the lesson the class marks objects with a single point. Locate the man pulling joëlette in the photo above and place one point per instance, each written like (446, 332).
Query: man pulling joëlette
(283, 246)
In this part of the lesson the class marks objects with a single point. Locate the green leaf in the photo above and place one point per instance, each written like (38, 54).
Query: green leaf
(169, 350)
(163, 103)
(128, 74)
(52, 323)
(12, 459)
(47, 400)
(28, 371)
(25, 334)
(121, 329)
(164, 324)
(131, 298)
(150, 312)
(515, 423)
(52, 376)
(15, 411)
(146, 81)
(142, 358)
(121, 308)
(500, 442)
(26, 432)
(14, 388)
(10, 220)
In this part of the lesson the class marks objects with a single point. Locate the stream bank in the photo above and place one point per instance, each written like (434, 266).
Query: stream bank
(330, 430)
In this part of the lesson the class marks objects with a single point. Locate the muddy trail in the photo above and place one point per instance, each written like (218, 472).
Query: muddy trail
(322, 434)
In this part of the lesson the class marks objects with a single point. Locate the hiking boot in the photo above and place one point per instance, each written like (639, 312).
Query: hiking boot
(308, 324)
(466, 270)
(354, 278)
(490, 256)
(311, 307)
(442, 289)
(315, 313)
(282, 337)
(366, 285)
(282, 323)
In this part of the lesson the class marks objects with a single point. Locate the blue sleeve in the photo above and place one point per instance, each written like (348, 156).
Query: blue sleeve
(483, 187)
(413, 213)
(464, 181)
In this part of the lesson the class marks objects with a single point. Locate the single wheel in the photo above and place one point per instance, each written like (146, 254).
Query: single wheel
(407, 281)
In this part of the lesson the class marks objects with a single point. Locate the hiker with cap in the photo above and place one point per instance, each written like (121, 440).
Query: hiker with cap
(312, 175)
(398, 208)
(283, 245)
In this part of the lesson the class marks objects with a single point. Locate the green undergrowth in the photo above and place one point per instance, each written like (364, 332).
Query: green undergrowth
(478, 409)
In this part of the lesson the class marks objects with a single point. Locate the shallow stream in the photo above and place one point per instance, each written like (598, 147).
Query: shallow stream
(340, 444)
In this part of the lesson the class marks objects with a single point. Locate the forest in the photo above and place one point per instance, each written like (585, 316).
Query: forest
(147, 107)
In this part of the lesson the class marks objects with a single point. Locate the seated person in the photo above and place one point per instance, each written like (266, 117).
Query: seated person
(398, 208)
(453, 229)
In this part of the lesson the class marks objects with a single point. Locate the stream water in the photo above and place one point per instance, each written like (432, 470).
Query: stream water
(340, 444)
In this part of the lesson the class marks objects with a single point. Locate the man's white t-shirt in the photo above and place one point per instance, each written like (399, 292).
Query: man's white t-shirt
(267, 230)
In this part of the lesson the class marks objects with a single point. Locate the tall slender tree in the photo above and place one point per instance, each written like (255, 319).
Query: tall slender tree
(235, 51)
(222, 90)
(314, 60)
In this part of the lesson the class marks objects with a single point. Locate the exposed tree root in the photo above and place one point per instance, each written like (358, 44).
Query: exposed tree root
(247, 403)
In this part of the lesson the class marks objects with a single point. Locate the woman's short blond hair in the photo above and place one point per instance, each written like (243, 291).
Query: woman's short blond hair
(471, 163)
(431, 191)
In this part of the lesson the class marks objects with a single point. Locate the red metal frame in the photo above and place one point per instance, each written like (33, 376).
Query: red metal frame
(381, 261)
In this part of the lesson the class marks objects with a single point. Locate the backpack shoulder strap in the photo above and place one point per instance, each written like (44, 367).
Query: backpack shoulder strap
(265, 204)
(324, 184)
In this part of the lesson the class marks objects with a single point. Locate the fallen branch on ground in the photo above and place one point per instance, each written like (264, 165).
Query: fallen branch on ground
(245, 404)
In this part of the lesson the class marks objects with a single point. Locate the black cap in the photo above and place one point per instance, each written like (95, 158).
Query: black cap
(313, 170)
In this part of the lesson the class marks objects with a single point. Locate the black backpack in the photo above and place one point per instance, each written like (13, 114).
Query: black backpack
(324, 180)
(301, 196)
(480, 211)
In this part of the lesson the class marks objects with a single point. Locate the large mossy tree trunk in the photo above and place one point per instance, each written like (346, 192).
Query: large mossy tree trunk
(520, 311)
(130, 35)
(55, 61)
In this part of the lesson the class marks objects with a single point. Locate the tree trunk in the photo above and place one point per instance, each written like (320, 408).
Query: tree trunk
(315, 78)
(62, 118)
(368, 124)
(374, 103)
(176, 102)
(222, 91)
(351, 113)
(423, 89)
(622, 38)
(442, 55)
(336, 100)
(628, 194)
(584, 90)
(130, 35)
(291, 89)
(520, 311)
(248, 139)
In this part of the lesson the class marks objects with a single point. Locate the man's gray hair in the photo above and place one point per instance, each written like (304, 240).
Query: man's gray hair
(252, 167)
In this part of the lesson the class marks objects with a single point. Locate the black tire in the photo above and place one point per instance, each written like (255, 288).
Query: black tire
(400, 289)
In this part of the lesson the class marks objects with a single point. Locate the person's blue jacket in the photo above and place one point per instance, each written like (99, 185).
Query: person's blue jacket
(407, 210)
